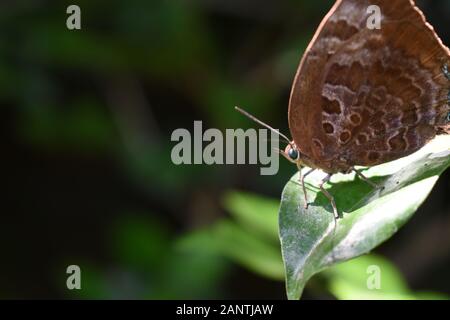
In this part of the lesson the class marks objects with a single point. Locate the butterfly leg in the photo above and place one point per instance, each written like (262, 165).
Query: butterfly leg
(328, 195)
(364, 178)
(302, 181)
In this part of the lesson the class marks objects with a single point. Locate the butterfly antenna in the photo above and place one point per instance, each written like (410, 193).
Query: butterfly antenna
(248, 115)
(277, 150)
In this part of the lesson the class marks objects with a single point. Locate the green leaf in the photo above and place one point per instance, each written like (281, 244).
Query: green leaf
(250, 240)
(311, 240)
(349, 280)
(238, 244)
(248, 250)
(353, 280)
(254, 212)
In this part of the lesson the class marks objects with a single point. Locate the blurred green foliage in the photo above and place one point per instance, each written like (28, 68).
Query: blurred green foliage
(149, 265)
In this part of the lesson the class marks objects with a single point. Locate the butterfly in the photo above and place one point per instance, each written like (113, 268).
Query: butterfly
(363, 96)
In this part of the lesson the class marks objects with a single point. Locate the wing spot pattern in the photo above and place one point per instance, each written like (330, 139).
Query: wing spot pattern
(331, 107)
(328, 128)
(345, 136)
(397, 143)
(355, 119)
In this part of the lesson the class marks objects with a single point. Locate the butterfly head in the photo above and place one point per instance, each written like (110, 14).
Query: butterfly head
(292, 153)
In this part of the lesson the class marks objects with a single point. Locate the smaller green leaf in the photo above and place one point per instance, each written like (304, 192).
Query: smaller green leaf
(348, 291)
(244, 247)
(349, 280)
(431, 296)
(203, 240)
(254, 212)
(248, 250)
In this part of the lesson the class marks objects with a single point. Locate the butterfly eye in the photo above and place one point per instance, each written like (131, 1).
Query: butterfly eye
(446, 71)
(293, 154)
(446, 119)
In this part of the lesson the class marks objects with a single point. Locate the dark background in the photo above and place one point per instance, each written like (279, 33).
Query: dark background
(86, 122)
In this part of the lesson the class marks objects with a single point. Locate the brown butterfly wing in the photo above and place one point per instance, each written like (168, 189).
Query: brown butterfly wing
(364, 97)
